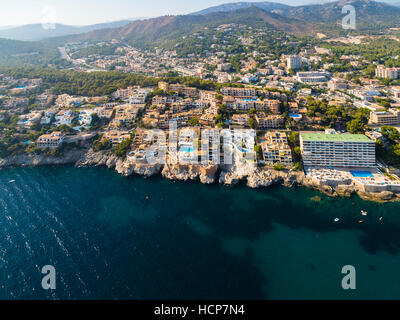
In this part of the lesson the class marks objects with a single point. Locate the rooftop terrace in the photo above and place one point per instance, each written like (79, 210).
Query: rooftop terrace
(345, 137)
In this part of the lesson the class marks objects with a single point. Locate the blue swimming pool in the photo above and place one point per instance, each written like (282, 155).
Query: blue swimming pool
(361, 174)
(186, 149)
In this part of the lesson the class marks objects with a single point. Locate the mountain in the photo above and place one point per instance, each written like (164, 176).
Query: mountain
(371, 17)
(266, 6)
(368, 13)
(6, 27)
(173, 27)
(36, 32)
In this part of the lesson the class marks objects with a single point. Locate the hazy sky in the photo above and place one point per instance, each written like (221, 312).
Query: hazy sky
(84, 12)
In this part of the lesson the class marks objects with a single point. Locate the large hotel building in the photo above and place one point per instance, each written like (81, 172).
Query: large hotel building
(337, 150)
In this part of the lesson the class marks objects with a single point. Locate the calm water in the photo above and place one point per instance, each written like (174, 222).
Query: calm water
(111, 237)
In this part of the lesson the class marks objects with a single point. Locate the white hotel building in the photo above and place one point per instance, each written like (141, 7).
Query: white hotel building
(337, 150)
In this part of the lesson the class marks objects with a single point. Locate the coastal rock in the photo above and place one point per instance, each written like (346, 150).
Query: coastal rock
(344, 190)
(262, 179)
(100, 158)
(123, 168)
(380, 197)
(181, 172)
(238, 172)
(386, 195)
(208, 175)
(31, 160)
(293, 179)
(187, 172)
(147, 170)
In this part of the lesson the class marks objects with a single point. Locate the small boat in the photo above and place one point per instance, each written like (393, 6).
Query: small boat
(11, 181)
(380, 219)
(361, 221)
(364, 213)
(337, 220)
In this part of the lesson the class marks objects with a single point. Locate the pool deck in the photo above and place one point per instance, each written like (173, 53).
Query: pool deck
(374, 177)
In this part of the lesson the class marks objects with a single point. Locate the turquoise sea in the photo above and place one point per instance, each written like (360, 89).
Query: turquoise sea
(111, 237)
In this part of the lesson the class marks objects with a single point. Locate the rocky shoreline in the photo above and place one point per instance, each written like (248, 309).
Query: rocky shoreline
(253, 176)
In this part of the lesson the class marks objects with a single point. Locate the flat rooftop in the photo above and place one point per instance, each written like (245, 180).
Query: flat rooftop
(345, 137)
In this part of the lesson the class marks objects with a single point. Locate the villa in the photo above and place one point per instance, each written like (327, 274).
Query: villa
(52, 140)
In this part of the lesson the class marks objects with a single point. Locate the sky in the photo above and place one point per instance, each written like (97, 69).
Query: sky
(85, 12)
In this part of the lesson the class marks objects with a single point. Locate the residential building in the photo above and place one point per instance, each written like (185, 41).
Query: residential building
(337, 150)
(116, 137)
(276, 149)
(293, 62)
(240, 119)
(387, 73)
(52, 140)
(268, 121)
(385, 118)
(239, 92)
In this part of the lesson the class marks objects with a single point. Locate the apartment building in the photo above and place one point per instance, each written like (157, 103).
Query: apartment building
(52, 140)
(126, 114)
(293, 62)
(207, 120)
(64, 117)
(208, 96)
(396, 93)
(268, 121)
(388, 73)
(337, 150)
(337, 84)
(273, 105)
(116, 137)
(239, 92)
(139, 97)
(240, 119)
(162, 100)
(385, 118)
(276, 149)
(179, 88)
(246, 104)
(124, 94)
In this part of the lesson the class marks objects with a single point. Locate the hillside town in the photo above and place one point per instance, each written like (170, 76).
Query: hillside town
(305, 116)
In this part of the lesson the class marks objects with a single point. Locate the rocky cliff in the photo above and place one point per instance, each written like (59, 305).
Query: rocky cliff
(241, 171)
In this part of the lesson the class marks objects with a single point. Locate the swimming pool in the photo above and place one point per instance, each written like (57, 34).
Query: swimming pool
(186, 149)
(361, 174)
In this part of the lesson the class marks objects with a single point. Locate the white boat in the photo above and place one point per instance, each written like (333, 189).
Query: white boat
(11, 181)
(364, 213)
(337, 220)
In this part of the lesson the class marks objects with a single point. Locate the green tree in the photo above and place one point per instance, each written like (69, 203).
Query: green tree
(121, 149)
(258, 151)
(391, 133)
(252, 123)
(194, 121)
(294, 138)
(356, 126)
(279, 167)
